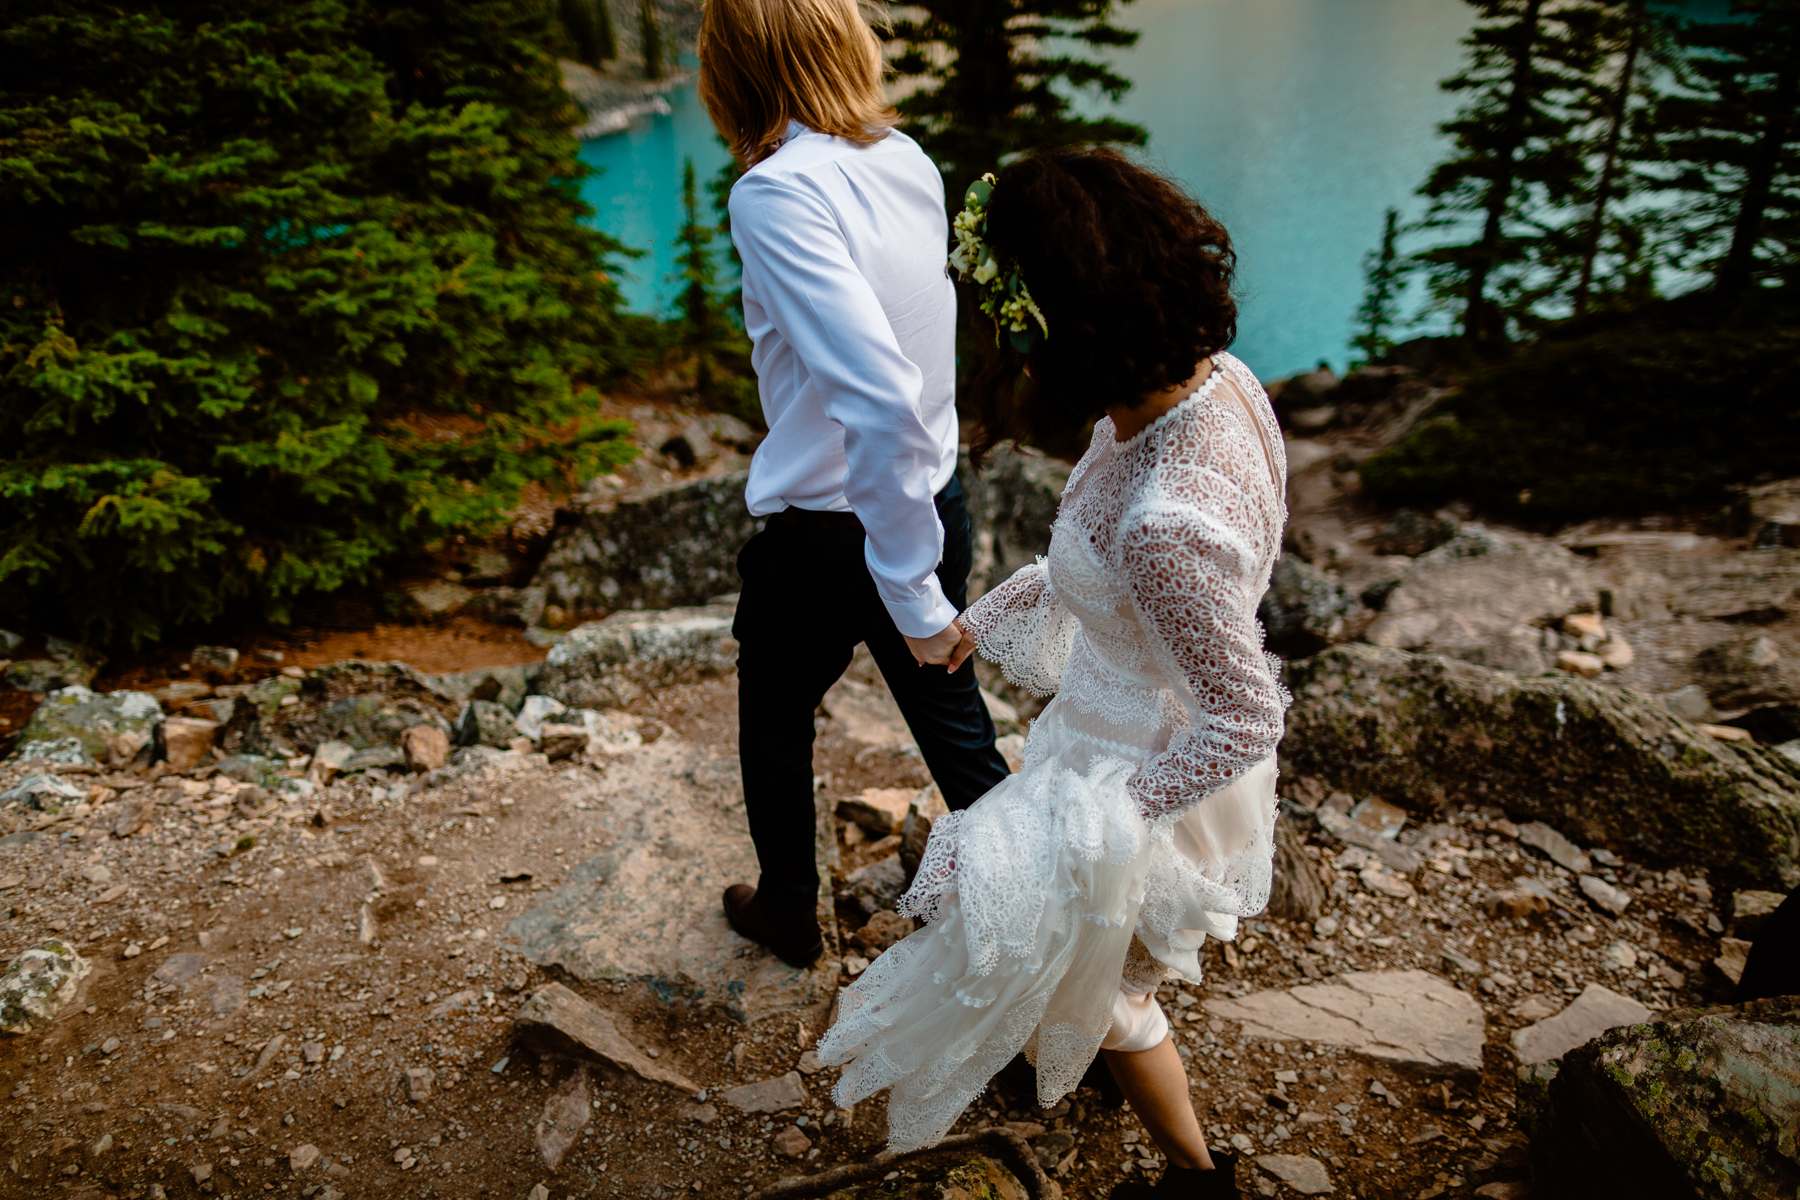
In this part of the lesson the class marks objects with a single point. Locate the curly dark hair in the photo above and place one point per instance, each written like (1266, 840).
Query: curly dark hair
(1134, 280)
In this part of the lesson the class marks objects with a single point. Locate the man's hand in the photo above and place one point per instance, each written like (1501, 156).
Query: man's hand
(949, 648)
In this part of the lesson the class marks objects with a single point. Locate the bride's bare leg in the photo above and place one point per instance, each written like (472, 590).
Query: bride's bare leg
(1156, 1084)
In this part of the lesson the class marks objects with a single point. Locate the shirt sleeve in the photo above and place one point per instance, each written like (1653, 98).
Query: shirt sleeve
(1190, 570)
(1020, 627)
(798, 265)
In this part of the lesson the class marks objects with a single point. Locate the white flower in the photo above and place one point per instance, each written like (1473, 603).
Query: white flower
(986, 271)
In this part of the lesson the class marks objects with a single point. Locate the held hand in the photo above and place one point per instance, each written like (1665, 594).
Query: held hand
(948, 647)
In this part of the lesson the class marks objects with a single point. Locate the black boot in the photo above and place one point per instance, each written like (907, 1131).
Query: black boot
(1100, 1077)
(794, 937)
(1180, 1183)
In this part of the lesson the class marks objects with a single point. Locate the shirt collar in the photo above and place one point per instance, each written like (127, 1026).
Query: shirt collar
(794, 129)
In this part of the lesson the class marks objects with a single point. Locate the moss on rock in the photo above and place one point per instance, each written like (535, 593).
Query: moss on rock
(1702, 1104)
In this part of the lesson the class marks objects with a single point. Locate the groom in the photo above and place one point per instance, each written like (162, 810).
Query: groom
(839, 221)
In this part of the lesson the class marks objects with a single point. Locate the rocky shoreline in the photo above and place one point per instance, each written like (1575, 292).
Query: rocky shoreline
(362, 929)
(611, 103)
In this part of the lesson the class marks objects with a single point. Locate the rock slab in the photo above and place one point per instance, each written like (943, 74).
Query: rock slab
(1481, 597)
(1702, 1104)
(1412, 1019)
(566, 1114)
(555, 1012)
(768, 1095)
(1302, 1173)
(1605, 766)
(1595, 1011)
(647, 908)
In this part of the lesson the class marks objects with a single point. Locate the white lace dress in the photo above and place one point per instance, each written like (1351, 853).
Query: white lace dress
(1143, 818)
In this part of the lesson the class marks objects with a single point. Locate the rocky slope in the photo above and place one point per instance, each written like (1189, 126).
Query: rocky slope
(364, 930)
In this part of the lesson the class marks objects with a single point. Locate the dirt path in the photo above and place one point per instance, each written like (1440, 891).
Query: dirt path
(273, 979)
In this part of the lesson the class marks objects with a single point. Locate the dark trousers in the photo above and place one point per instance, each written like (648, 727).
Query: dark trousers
(807, 600)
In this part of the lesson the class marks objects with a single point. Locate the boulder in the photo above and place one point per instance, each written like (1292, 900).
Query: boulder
(1606, 766)
(38, 984)
(1745, 588)
(879, 811)
(267, 772)
(365, 704)
(534, 711)
(216, 663)
(1307, 389)
(1773, 514)
(1745, 670)
(74, 724)
(1410, 1019)
(503, 685)
(673, 547)
(43, 793)
(47, 674)
(426, 747)
(1412, 533)
(486, 723)
(610, 663)
(431, 599)
(186, 742)
(1700, 1104)
(1304, 610)
(646, 910)
(1012, 498)
(1484, 596)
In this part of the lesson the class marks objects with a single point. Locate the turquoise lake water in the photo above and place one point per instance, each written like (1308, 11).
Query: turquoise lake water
(1298, 122)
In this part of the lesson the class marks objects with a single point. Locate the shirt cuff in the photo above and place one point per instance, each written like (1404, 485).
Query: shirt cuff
(929, 612)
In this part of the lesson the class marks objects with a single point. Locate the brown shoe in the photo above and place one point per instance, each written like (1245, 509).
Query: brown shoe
(794, 938)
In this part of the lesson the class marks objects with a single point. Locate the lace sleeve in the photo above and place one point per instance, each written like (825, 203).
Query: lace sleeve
(1020, 628)
(1191, 570)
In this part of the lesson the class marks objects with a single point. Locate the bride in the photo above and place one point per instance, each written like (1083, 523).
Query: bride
(1142, 820)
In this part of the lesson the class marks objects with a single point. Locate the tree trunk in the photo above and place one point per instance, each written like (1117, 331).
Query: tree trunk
(1738, 270)
(1296, 892)
(1483, 323)
(1609, 166)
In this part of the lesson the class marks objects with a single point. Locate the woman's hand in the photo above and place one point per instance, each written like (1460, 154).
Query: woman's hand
(949, 647)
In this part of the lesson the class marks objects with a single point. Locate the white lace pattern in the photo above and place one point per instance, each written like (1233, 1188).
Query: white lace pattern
(1145, 807)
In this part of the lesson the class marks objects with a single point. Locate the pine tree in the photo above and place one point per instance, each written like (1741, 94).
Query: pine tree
(698, 318)
(609, 34)
(1605, 243)
(651, 38)
(295, 287)
(1383, 274)
(719, 186)
(589, 26)
(1513, 161)
(1736, 139)
(996, 78)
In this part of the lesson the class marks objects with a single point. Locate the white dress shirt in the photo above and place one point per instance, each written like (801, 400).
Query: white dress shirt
(853, 319)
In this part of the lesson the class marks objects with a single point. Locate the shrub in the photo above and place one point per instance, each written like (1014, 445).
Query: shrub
(1627, 420)
(289, 289)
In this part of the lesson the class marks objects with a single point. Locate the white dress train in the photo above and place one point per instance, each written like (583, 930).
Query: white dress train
(1142, 820)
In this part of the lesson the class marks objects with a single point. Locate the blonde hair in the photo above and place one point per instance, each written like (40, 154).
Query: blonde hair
(764, 63)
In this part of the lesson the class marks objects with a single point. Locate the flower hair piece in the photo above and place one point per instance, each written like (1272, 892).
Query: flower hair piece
(1004, 296)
